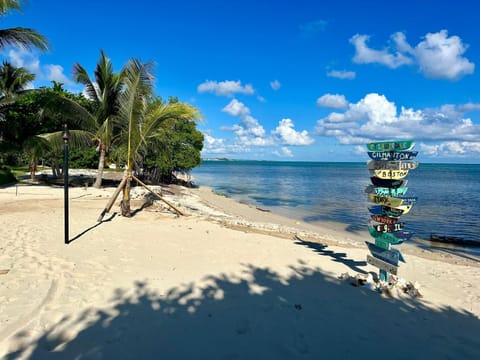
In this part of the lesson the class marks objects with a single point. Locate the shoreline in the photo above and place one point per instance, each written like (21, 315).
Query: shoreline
(260, 283)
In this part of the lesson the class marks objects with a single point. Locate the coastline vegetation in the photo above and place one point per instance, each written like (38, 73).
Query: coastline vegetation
(117, 120)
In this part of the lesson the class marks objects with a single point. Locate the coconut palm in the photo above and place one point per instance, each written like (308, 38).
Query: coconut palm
(19, 36)
(13, 80)
(141, 116)
(104, 91)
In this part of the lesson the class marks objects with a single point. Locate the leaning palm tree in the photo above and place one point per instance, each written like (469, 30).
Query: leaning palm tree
(21, 37)
(141, 116)
(105, 92)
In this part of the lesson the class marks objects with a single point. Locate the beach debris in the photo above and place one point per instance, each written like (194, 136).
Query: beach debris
(357, 280)
(396, 287)
(4, 272)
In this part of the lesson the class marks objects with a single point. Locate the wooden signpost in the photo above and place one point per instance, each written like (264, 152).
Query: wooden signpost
(382, 265)
(389, 165)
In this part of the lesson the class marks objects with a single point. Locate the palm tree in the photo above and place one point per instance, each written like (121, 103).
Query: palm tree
(19, 36)
(13, 80)
(105, 92)
(141, 116)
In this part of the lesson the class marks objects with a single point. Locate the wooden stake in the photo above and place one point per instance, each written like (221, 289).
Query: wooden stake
(158, 196)
(113, 198)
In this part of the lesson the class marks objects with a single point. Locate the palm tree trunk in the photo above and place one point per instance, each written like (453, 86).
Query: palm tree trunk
(33, 169)
(125, 203)
(101, 166)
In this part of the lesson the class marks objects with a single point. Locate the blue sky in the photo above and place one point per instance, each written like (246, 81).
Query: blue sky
(286, 80)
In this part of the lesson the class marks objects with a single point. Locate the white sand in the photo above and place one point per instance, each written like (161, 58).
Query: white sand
(226, 282)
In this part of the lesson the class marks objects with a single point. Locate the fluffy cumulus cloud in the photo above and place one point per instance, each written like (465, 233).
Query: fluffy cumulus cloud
(250, 134)
(213, 145)
(333, 101)
(225, 88)
(43, 72)
(286, 134)
(342, 74)
(437, 56)
(249, 130)
(376, 118)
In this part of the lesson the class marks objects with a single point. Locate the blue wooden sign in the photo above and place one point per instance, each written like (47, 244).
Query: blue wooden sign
(387, 255)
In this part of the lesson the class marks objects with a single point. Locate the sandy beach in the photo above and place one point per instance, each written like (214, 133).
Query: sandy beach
(225, 281)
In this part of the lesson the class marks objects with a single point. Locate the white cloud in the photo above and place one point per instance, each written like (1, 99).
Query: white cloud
(55, 73)
(334, 101)
(450, 149)
(225, 88)
(236, 108)
(366, 55)
(213, 145)
(284, 152)
(342, 74)
(250, 134)
(438, 56)
(43, 72)
(275, 84)
(376, 118)
(249, 129)
(286, 134)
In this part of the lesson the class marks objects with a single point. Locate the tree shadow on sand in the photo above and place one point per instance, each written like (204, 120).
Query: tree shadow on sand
(337, 257)
(259, 314)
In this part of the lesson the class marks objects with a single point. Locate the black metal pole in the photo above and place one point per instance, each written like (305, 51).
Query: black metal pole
(65, 137)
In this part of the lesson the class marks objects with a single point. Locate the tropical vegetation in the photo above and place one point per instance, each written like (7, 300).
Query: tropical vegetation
(118, 119)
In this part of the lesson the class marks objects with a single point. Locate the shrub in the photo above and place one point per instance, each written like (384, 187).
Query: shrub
(6, 176)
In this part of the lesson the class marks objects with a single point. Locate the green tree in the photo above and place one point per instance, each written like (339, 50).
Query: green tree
(105, 93)
(42, 111)
(19, 36)
(175, 148)
(141, 116)
(13, 80)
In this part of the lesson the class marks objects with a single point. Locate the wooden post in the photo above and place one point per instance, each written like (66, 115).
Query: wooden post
(112, 199)
(158, 196)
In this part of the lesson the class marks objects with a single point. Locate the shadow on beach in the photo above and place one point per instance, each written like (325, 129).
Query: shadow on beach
(260, 315)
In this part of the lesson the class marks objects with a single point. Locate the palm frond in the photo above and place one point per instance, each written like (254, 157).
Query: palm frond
(77, 139)
(74, 113)
(6, 5)
(80, 75)
(22, 37)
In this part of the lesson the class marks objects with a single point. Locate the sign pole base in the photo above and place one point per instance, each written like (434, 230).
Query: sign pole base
(383, 276)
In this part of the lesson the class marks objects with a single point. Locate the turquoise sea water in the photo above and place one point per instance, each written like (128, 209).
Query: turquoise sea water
(448, 194)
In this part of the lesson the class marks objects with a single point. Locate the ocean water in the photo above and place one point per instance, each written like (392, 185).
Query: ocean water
(448, 194)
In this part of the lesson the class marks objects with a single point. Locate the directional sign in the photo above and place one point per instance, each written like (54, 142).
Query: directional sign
(400, 256)
(382, 265)
(408, 200)
(388, 227)
(389, 256)
(383, 243)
